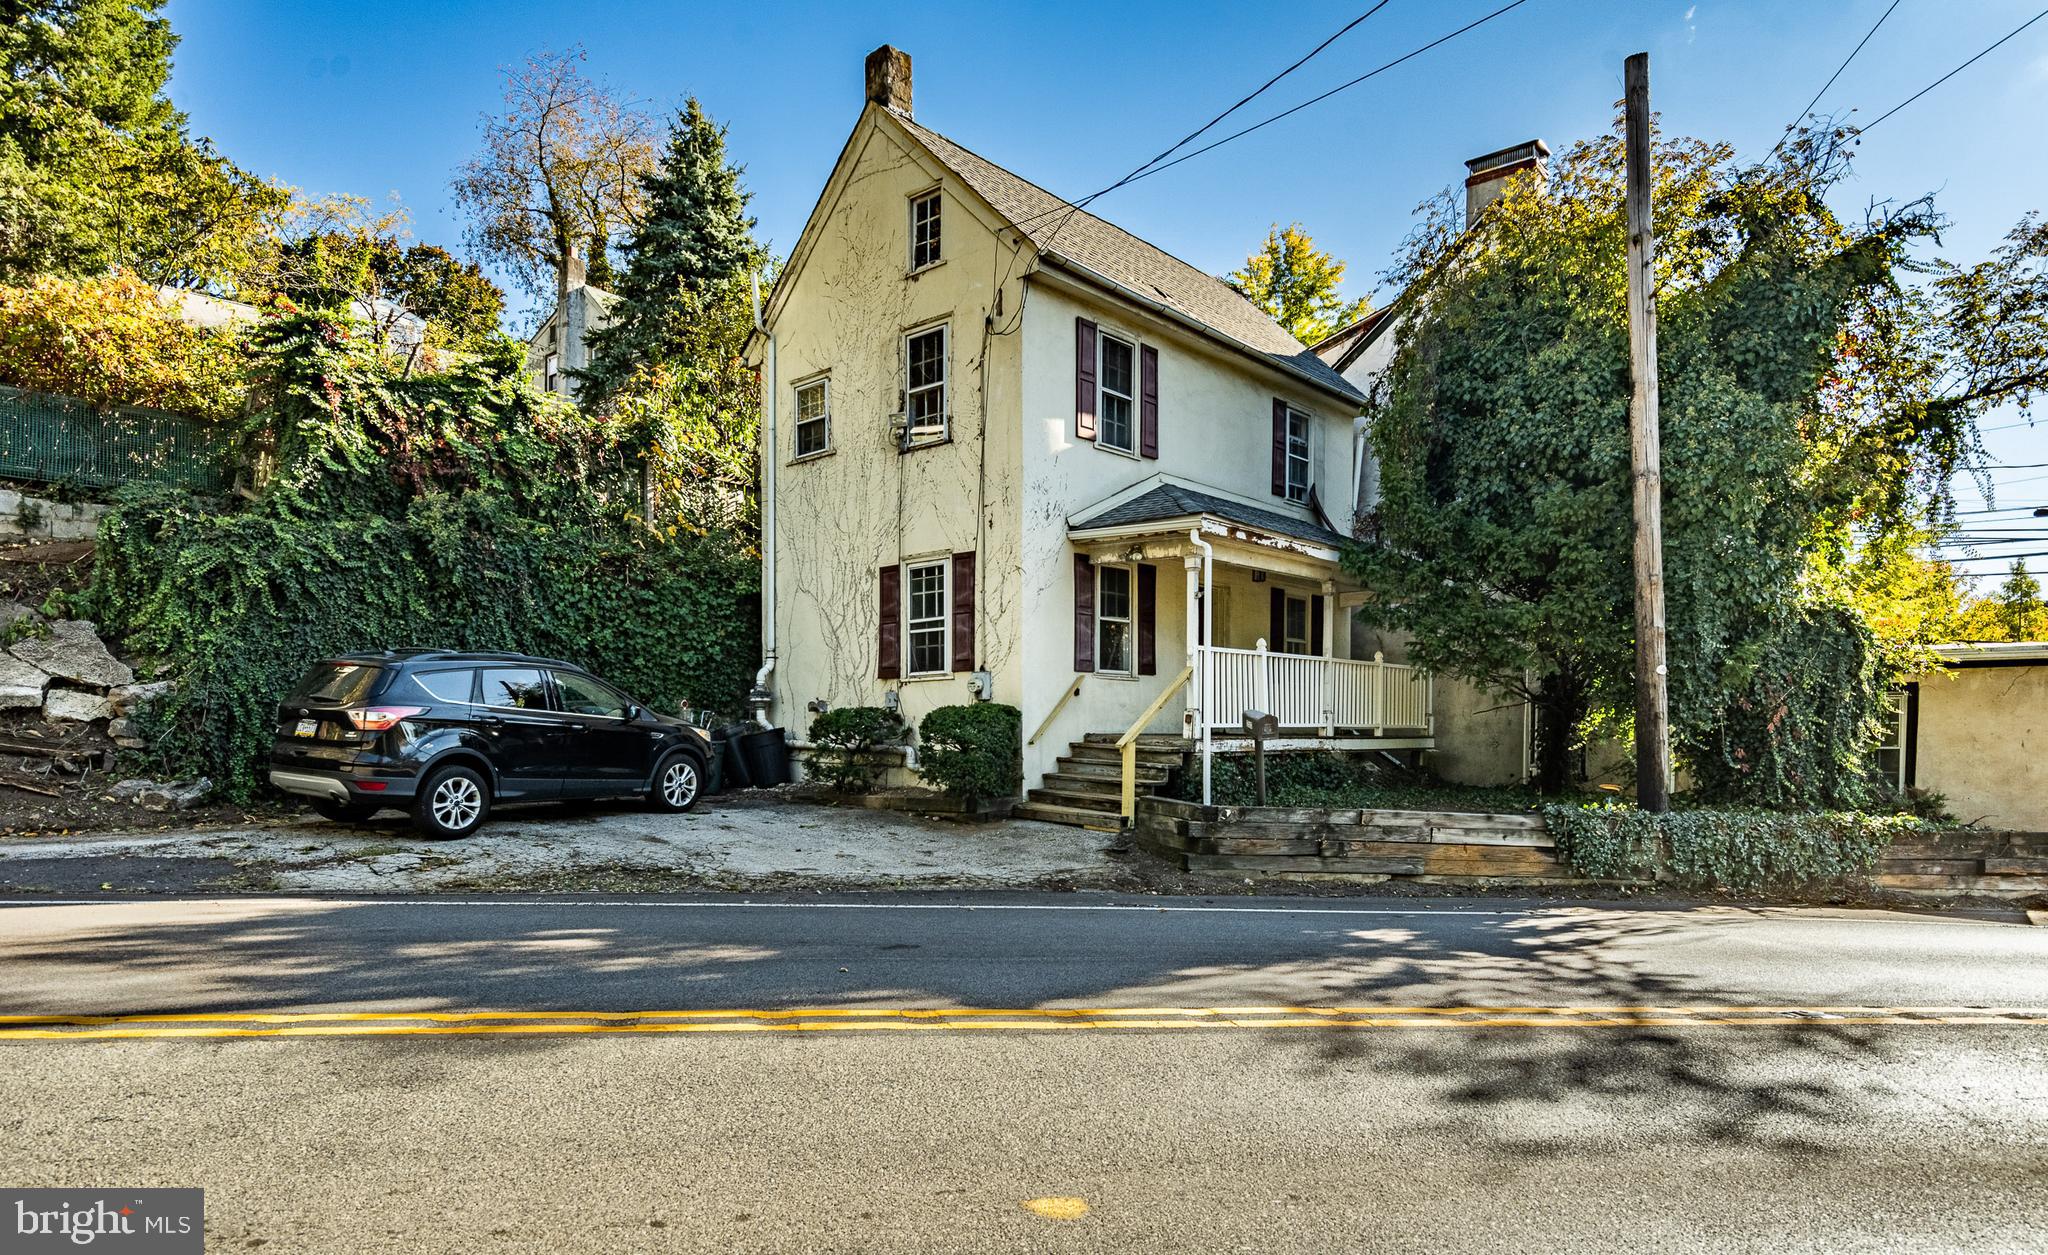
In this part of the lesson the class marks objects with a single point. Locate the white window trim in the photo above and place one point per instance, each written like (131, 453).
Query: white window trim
(1895, 719)
(550, 371)
(1308, 454)
(928, 435)
(795, 438)
(935, 192)
(945, 620)
(1102, 390)
(1131, 622)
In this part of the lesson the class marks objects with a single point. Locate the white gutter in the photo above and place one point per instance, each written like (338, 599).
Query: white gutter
(1208, 658)
(762, 697)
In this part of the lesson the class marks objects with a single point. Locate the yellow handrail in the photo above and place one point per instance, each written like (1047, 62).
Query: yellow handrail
(1127, 744)
(1073, 691)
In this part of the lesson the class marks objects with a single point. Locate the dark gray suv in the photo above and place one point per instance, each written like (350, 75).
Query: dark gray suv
(446, 735)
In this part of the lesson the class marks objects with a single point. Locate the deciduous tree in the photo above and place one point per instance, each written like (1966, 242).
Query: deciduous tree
(1296, 283)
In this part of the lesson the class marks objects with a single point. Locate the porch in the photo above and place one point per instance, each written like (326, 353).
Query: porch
(1264, 624)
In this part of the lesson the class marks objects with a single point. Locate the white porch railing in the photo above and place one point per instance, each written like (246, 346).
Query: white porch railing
(1305, 692)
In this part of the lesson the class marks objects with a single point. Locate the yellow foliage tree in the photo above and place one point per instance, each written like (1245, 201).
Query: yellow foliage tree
(111, 341)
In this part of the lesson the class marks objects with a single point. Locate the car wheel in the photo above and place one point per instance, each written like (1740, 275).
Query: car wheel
(345, 812)
(678, 782)
(452, 803)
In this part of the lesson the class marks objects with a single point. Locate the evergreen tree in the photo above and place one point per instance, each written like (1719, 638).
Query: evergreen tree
(2020, 610)
(694, 239)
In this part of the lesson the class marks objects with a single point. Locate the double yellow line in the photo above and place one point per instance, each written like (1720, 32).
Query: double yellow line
(952, 1019)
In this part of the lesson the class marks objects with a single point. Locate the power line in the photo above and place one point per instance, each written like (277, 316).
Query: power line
(1808, 110)
(1865, 129)
(1334, 90)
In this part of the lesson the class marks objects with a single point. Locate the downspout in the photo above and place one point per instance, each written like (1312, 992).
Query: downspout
(762, 697)
(1208, 650)
(1361, 426)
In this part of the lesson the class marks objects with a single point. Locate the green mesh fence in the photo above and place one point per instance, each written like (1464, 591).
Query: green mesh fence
(62, 440)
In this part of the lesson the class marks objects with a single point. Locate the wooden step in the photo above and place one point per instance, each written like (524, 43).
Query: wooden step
(1110, 804)
(1067, 815)
(1096, 752)
(1098, 786)
(1172, 741)
(1095, 769)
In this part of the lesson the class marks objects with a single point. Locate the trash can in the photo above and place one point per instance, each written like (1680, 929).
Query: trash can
(733, 764)
(715, 774)
(767, 757)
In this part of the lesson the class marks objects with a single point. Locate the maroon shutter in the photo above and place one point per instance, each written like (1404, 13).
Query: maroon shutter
(1084, 379)
(1279, 447)
(1148, 619)
(1315, 625)
(889, 656)
(1276, 637)
(1148, 404)
(1084, 613)
(963, 611)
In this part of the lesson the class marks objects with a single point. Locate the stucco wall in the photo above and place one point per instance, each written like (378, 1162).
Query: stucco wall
(1982, 741)
(1215, 431)
(842, 516)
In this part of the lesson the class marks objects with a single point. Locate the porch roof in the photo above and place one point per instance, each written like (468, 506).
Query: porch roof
(1178, 504)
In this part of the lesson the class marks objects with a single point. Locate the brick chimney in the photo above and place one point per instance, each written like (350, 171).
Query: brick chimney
(889, 77)
(1488, 176)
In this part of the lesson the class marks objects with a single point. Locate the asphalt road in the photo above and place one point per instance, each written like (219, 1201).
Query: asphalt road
(870, 1073)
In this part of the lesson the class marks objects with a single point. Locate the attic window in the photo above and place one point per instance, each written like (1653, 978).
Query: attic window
(924, 230)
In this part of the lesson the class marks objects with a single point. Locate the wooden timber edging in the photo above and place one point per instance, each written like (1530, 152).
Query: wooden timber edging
(1427, 846)
(1459, 848)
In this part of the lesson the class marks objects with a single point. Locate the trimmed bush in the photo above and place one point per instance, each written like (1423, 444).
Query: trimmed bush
(1743, 851)
(974, 751)
(847, 739)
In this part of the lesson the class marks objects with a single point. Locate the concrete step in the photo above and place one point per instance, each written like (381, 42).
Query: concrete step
(1071, 816)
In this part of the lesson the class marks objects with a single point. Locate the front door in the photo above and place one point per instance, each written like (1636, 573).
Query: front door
(604, 751)
(522, 730)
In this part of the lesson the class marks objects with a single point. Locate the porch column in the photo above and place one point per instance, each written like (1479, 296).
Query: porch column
(1329, 653)
(1198, 698)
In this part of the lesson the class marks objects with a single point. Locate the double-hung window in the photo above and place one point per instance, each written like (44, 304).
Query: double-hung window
(924, 230)
(1297, 455)
(1113, 619)
(1888, 756)
(926, 593)
(924, 392)
(551, 373)
(1294, 626)
(813, 418)
(1117, 390)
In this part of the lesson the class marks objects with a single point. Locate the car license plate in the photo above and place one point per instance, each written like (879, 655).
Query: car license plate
(306, 727)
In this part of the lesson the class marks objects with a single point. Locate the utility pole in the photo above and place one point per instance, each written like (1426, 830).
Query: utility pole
(1653, 703)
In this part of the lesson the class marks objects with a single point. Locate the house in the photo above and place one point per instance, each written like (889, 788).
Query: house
(1976, 732)
(1014, 453)
(561, 344)
(400, 330)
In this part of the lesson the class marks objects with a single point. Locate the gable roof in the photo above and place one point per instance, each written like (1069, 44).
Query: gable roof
(1175, 501)
(1115, 258)
(1344, 345)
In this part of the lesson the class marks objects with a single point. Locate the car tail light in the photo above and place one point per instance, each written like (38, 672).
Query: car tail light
(379, 718)
(372, 786)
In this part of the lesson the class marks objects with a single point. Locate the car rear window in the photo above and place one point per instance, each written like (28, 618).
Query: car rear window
(447, 686)
(338, 683)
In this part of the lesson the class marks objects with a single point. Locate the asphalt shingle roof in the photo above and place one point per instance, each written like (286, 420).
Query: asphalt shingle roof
(1172, 501)
(1153, 274)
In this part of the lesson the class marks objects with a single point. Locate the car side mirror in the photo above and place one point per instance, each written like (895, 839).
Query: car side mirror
(633, 714)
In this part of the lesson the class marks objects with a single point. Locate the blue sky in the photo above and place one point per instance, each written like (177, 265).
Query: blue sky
(374, 97)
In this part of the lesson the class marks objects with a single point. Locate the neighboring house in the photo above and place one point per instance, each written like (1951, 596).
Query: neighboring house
(561, 344)
(1013, 452)
(403, 331)
(1976, 732)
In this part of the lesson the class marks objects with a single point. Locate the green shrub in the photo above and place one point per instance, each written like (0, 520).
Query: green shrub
(1742, 851)
(847, 739)
(974, 751)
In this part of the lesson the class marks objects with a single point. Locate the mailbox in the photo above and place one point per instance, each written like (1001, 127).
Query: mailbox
(1259, 725)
